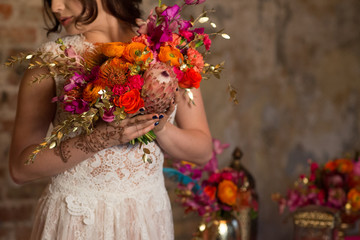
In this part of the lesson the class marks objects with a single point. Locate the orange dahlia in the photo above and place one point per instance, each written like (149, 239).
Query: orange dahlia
(134, 52)
(227, 191)
(172, 55)
(113, 49)
(114, 71)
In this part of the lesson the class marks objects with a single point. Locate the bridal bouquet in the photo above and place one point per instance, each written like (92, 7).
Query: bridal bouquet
(115, 80)
(335, 184)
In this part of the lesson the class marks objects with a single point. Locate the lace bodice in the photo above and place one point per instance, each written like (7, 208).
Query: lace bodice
(117, 169)
(114, 188)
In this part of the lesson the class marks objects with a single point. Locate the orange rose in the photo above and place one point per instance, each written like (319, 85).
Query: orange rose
(131, 101)
(172, 55)
(134, 52)
(210, 191)
(113, 49)
(227, 192)
(354, 199)
(190, 79)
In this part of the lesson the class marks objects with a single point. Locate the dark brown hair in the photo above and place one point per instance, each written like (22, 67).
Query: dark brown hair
(125, 10)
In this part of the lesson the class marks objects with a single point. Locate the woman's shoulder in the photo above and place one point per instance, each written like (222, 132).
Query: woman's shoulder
(75, 41)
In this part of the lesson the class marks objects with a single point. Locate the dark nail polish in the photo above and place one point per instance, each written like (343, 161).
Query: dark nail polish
(161, 116)
(154, 117)
(141, 109)
(157, 123)
(177, 89)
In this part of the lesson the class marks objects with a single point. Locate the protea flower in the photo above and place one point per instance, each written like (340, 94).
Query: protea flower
(159, 88)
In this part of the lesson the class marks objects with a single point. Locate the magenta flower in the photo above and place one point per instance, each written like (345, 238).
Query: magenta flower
(336, 197)
(75, 81)
(77, 106)
(119, 89)
(357, 168)
(109, 115)
(135, 82)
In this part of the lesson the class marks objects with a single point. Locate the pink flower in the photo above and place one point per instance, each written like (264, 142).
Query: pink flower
(195, 59)
(109, 115)
(187, 35)
(71, 53)
(142, 38)
(119, 89)
(135, 82)
(215, 178)
(337, 197)
(178, 72)
(219, 147)
(357, 168)
(207, 41)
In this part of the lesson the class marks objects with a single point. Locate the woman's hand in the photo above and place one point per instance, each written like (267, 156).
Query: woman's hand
(116, 133)
(163, 117)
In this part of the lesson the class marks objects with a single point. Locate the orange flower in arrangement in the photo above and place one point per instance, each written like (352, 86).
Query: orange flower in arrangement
(190, 79)
(354, 199)
(344, 165)
(114, 71)
(131, 101)
(91, 92)
(172, 55)
(227, 192)
(134, 52)
(113, 49)
(73, 94)
(210, 191)
(330, 166)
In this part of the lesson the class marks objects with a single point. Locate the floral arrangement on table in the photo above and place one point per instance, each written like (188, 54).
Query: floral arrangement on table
(117, 80)
(335, 184)
(208, 191)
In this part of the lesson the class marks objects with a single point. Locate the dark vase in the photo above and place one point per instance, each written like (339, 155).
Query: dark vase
(247, 194)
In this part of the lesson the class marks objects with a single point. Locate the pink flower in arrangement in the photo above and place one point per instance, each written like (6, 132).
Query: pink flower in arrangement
(142, 38)
(119, 89)
(188, 35)
(357, 168)
(195, 59)
(109, 115)
(336, 197)
(77, 106)
(135, 82)
(76, 80)
(70, 52)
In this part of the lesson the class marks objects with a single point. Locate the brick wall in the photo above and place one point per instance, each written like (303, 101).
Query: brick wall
(20, 30)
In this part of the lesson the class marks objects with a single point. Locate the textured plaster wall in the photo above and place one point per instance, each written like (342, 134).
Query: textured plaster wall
(296, 66)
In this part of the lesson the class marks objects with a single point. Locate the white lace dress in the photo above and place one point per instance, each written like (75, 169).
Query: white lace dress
(112, 195)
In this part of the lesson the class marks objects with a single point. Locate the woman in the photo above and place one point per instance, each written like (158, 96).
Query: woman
(100, 188)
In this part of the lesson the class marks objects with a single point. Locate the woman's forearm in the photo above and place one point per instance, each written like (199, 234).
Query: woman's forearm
(191, 145)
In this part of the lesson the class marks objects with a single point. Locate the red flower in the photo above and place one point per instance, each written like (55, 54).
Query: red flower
(131, 101)
(210, 191)
(190, 79)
